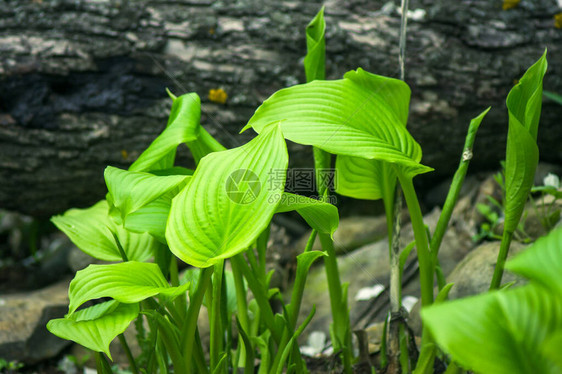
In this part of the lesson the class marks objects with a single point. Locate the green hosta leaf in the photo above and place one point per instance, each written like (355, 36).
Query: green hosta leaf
(151, 218)
(321, 216)
(361, 115)
(365, 179)
(126, 282)
(94, 232)
(522, 155)
(551, 348)
(176, 170)
(499, 332)
(316, 48)
(132, 190)
(228, 202)
(542, 262)
(183, 126)
(204, 145)
(95, 327)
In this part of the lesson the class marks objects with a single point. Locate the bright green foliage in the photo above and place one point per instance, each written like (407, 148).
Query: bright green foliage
(94, 232)
(524, 107)
(361, 115)
(542, 263)
(365, 179)
(95, 327)
(151, 218)
(228, 202)
(508, 331)
(314, 62)
(225, 207)
(183, 126)
(130, 190)
(126, 282)
(321, 216)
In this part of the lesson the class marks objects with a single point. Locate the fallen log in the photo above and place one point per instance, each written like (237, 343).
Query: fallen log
(82, 82)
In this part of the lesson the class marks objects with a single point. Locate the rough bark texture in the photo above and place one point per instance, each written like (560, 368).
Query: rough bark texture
(82, 81)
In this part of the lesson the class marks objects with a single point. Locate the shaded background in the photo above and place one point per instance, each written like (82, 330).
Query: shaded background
(82, 82)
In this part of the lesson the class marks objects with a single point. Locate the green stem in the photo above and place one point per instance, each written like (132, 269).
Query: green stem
(120, 248)
(174, 276)
(260, 294)
(420, 235)
(128, 353)
(298, 286)
(340, 314)
(502, 256)
(242, 310)
(427, 354)
(102, 365)
(277, 364)
(454, 192)
(216, 317)
(190, 325)
(181, 301)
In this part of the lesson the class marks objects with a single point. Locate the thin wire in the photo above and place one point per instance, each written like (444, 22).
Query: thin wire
(402, 42)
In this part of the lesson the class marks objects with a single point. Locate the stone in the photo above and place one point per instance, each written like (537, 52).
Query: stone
(352, 233)
(368, 266)
(473, 275)
(23, 318)
(78, 260)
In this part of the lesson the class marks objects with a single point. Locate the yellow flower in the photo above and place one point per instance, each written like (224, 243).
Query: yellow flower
(509, 4)
(558, 21)
(218, 95)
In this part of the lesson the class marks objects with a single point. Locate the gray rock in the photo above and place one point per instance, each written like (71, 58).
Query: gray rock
(23, 317)
(369, 265)
(352, 233)
(78, 260)
(473, 275)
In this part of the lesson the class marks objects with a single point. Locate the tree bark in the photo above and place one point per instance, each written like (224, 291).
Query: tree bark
(82, 82)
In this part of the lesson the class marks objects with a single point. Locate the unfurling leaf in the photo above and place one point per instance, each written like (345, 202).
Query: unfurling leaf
(316, 48)
(183, 126)
(522, 155)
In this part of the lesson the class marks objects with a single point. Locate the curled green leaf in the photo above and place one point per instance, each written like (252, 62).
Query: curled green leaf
(183, 126)
(320, 215)
(361, 115)
(522, 155)
(95, 327)
(126, 282)
(95, 233)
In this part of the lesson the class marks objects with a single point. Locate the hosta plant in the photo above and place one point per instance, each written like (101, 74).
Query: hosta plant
(217, 219)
